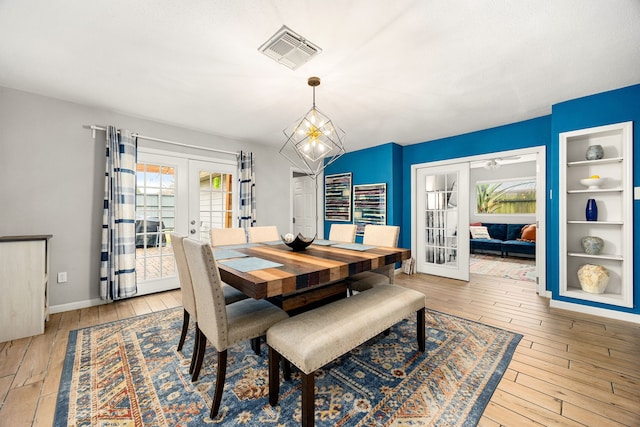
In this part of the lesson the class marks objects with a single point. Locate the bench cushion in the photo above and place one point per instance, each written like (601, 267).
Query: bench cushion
(313, 339)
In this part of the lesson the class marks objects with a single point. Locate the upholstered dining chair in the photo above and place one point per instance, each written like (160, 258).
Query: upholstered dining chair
(376, 235)
(227, 236)
(345, 233)
(230, 293)
(223, 325)
(265, 233)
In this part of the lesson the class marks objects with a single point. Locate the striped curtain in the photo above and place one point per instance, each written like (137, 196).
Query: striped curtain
(247, 191)
(118, 256)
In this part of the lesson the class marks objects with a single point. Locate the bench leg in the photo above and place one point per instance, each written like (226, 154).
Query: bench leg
(420, 332)
(286, 369)
(274, 376)
(308, 399)
(255, 345)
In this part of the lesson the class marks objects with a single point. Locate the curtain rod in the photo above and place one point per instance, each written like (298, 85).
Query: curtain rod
(94, 128)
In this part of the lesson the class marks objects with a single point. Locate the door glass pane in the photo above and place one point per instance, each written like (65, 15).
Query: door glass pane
(441, 219)
(155, 219)
(216, 202)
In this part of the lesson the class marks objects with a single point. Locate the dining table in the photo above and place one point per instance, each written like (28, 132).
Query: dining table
(293, 279)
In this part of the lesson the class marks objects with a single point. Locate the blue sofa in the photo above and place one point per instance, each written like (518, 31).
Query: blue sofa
(504, 239)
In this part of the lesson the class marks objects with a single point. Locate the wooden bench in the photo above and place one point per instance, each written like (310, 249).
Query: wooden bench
(319, 336)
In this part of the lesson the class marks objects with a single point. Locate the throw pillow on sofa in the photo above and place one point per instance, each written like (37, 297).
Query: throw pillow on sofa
(479, 232)
(528, 233)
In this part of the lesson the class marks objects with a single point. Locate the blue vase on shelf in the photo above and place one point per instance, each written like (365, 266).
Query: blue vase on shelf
(591, 211)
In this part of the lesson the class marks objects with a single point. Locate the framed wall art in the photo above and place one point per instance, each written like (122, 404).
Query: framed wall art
(369, 205)
(337, 197)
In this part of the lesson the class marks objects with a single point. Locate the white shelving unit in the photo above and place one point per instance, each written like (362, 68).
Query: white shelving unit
(614, 199)
(24, 282)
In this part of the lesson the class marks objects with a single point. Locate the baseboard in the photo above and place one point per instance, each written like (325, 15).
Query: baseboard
(596, 311)
(60, 308)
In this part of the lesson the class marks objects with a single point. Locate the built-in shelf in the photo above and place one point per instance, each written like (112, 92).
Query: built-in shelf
(606, 298)
(615, 212)
(596, 190)
(600, 256)
(595, 162)
(596, 222)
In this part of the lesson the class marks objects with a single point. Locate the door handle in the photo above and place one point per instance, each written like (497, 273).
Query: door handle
(192, 231)
(193, 222)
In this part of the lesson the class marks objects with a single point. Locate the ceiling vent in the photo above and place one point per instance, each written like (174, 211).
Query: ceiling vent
(289, 49)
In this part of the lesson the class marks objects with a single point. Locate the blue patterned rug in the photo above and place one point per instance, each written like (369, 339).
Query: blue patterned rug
(128, 373)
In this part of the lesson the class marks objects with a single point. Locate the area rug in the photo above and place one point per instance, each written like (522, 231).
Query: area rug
(510, 268)
(129, 373)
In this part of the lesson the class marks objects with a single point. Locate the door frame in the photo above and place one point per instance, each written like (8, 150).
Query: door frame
(541, 205)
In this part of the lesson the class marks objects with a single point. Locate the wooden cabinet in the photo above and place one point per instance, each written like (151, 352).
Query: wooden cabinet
(614, 200)
(24, 277)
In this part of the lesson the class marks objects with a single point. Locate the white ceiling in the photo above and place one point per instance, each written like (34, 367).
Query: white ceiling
(403, 71)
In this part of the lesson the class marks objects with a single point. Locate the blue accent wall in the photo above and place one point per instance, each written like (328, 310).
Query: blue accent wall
(380, 164)
(529, 133)
(616, 106)
(391, 163)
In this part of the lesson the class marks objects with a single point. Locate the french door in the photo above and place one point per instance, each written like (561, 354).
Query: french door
(441, 206)
(177, 194)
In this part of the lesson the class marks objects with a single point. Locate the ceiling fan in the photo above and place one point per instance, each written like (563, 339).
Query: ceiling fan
(493, 164)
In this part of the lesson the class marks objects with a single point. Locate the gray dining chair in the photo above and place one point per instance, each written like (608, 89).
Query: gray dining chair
(230, 293)
(223, 325)
(265, 233)
(376, 235)
(227, 236)
(345, 233)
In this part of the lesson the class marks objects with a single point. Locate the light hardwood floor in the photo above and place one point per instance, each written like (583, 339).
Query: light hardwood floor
(569, 369)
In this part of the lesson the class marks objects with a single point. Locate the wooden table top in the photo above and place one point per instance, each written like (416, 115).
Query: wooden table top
(315, 266)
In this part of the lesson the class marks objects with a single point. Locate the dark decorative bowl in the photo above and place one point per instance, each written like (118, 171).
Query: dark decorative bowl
(300, 243)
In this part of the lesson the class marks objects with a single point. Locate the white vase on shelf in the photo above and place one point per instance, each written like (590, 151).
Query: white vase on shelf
(593, 278)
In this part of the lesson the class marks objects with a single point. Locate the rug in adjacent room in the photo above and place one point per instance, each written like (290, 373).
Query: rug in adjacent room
(511, 268)
(128, 373)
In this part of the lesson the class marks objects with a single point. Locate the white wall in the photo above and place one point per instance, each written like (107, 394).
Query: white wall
(52, 174)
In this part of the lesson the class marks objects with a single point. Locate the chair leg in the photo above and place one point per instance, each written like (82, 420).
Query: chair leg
(255, 345)
(194, 354)
(220, 378)
(420, 332)
(185, 328)
(274, 376)
(308, 399)
(202, 343)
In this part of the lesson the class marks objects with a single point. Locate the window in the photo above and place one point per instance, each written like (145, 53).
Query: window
(506, 197)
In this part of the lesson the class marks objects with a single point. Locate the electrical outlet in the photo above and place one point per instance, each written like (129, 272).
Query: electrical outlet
(62, 277)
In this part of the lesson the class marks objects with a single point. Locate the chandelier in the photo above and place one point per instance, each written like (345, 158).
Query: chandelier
(313, 141)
